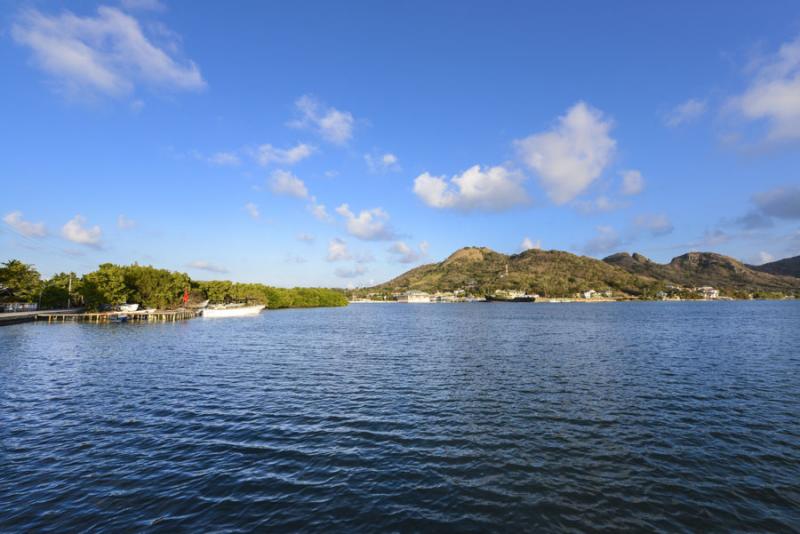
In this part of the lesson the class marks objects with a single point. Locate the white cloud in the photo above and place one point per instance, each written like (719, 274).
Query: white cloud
(569, 157)
(338, 251)
(493, 189)
(355, 272)
(774, 93)
(26, 228)
(685, 112)
(285, 183)
(605, 241)
(224, 158)
(601, 204)
(407, 254)
(764, 257)
(203, 265)
(305, 238)
(266, 154)
(107, 54)
(657, 225)
(632, 182)
(529, 244)
(252, 210)
(125, 223)
(333, 125)
(76, 232)
(369, 225)
(382, 162)
(318, 210)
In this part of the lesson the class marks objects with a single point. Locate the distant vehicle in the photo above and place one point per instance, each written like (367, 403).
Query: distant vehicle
(232, 310)
(128, 307)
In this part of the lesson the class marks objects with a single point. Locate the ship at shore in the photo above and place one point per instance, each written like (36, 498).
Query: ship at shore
(232, 310)
(503, 298)
(511, 296)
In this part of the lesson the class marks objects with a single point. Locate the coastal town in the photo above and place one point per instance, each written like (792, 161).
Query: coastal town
(671, 293)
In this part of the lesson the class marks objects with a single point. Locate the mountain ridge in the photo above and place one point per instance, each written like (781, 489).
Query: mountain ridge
(481, 270)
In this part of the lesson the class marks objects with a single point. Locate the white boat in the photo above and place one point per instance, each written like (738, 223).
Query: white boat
(128, 307)
(232, 310)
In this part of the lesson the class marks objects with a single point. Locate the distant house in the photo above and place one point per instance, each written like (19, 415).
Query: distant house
(707, 292)
(18, 307)
(414, 297)
(589, 294)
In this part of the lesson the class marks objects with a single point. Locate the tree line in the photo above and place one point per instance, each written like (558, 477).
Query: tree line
(112, 284)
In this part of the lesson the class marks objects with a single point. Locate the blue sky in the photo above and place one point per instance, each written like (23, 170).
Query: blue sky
(343, 143)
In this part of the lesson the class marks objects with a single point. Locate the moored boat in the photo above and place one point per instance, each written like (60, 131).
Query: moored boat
(128, 307)
(232, 310)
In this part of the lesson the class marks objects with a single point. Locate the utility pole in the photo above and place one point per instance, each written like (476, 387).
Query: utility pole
(69, 292)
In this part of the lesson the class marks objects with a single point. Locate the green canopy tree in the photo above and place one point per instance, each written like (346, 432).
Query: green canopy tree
(21, 281)
(106, 285)
(56, 292)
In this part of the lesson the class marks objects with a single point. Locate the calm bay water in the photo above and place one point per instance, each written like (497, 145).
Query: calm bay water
(675, 416)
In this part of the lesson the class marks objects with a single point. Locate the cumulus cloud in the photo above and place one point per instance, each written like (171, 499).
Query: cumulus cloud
(632, 182)
(319, 211)
(369, 225)
(285, 183)
(686, 112)
(570, 156)
(491, 189)
(404, 253)
(105, 54)
(604, 241)
(252, 210)
(337, 250)
(76, 231)
(267, 154)
(355, 272)
(377, 163)
(656, 225)
(773, 94)
(26, 228)
(203, 265)
(529, 244)
(125, 223)
(331, 124)
(781, 202)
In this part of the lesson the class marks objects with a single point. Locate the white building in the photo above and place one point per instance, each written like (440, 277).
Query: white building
(414, 297)
(708, 292)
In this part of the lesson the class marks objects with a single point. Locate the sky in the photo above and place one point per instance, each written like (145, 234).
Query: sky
(343, 143)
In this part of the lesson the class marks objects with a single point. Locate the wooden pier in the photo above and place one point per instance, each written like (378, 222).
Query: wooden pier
(160, 316)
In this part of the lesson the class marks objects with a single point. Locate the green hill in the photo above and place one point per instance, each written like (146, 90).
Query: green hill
(548, 273)
(705, 269)
(553, 273)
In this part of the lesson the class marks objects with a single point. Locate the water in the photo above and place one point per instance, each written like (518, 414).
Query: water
(674, 416)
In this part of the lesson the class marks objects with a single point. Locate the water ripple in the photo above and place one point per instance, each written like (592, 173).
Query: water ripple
(402, 418)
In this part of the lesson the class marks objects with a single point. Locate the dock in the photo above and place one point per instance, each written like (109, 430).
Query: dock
(160, 316)
(79, 316)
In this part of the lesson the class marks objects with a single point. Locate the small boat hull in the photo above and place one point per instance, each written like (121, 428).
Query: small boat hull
(239, 311)
(128, 307)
